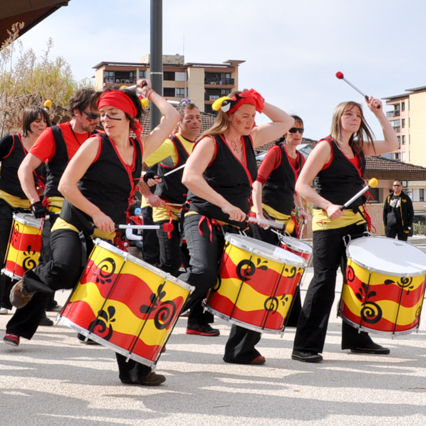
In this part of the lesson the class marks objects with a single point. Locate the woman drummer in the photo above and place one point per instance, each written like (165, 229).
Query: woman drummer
(338, 163)
(98, 184)
(13, 149)
(219, 175)
(274, 193)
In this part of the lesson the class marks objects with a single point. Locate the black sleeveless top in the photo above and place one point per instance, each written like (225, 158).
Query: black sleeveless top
(230, 178)
(278, 190)
(341, 180)
(108, 183)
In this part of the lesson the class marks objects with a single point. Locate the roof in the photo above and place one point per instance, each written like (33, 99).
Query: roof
(27, 11)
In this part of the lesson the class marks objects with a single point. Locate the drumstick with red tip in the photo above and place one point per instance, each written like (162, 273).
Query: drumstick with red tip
(166, 227)
(372, 183)
(340, 76)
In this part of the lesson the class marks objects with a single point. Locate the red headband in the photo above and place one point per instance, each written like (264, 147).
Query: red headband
(118, 99)
(248, 97)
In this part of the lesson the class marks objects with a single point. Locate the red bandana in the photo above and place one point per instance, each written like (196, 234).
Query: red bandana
(118, 99)
(248, 97)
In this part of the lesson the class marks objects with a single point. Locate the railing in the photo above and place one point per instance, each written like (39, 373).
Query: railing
(220, 82)
(391, 114)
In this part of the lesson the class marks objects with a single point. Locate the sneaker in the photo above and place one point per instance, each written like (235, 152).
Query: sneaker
(11, 339)
(46, 321)
(19, 297)
(372, 348)
(306, 356)
(259, 360)
(152, 379)
(202, 330)
(3, 311)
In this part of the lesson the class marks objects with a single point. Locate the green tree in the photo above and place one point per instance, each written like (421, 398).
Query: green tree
(26, 79)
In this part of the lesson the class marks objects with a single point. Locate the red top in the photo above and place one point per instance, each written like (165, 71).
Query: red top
(44, 147)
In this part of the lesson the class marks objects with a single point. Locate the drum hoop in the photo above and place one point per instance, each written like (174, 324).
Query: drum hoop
(380, 271)
(301, 246)
(127, 256)
(27, 219)
(302, 263)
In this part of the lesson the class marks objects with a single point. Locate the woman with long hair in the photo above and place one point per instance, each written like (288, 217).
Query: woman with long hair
(338, 164)
(219, 175)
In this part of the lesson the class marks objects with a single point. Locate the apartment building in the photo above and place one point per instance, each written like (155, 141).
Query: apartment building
(202, 83)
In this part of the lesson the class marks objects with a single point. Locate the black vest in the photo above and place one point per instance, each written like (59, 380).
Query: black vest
(10, 163)
(108, 184)
(278, 190)
(171, 188)
(341, 180)
(227, 176)
(56, 166)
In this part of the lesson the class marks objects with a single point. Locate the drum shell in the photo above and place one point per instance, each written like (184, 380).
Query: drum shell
(24, 248)
(255, 289)
(125, 304)
(384, 302)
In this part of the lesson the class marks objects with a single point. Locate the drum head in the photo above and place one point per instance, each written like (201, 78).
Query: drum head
(265, 250)
(27, 219)
(387, 256)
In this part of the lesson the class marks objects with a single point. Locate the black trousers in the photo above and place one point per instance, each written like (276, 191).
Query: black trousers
(6, 219)
(394, 231)
(328, 254)
(205, 243)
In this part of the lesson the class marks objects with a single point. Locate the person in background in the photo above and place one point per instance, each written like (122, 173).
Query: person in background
(338, 164)
(398, 213)
(13, 149)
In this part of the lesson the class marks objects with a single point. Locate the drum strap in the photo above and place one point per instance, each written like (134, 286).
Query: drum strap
(210, 223)
(84, 254)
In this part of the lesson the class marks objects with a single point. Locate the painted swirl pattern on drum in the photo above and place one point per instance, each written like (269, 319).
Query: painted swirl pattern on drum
(376, 302)
(102, 326)
(105, 270)
(254, 290)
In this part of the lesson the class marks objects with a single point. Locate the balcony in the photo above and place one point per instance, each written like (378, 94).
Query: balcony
(220, 82)
(392, 114)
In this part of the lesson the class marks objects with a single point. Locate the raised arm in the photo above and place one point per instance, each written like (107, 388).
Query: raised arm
(390, 142)
(280, 123)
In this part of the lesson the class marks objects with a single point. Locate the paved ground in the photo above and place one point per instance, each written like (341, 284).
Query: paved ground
(55, 380)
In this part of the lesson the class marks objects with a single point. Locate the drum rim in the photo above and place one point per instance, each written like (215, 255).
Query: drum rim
(380, 271)
(169, 277)
(23, 220)
(301, 246)
(300, 261)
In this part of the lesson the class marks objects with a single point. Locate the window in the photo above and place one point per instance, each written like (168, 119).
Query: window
(109, 77)
(421, 194)
(399, 140)
(397, 156)
(180, 76)
(142, 73)
(403, 139)
(169, 92)
(403, 106)
(169, 76)
(403, 123)
(180, 92)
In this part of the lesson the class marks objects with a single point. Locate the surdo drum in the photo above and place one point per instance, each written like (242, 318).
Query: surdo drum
(385, 285)
(125, 304)
(256, 284)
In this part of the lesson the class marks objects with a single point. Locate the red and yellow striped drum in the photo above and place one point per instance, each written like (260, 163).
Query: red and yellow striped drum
(23, 252)
(300, 248)
(385, 285)
(125, 304)
(256, 284)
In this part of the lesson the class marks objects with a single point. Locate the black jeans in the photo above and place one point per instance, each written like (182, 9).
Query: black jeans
(397, 230)
(329, 253)
(6, 219)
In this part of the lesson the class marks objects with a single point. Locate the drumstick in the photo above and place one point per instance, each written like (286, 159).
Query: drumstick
(371, 184)
(174, 170)
(166, 227)
(288, 227)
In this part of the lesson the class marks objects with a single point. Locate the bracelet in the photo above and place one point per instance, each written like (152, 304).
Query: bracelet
(148, 95)
(301, 208)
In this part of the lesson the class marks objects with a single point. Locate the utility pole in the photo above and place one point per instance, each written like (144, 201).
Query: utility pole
(156, 54)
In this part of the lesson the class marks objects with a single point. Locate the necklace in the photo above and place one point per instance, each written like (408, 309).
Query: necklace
(76, 138)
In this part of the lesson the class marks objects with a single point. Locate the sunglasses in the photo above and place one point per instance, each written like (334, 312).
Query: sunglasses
(297, 129)
(92, 115)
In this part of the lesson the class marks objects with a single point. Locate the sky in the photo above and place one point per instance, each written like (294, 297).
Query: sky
(292, 49)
